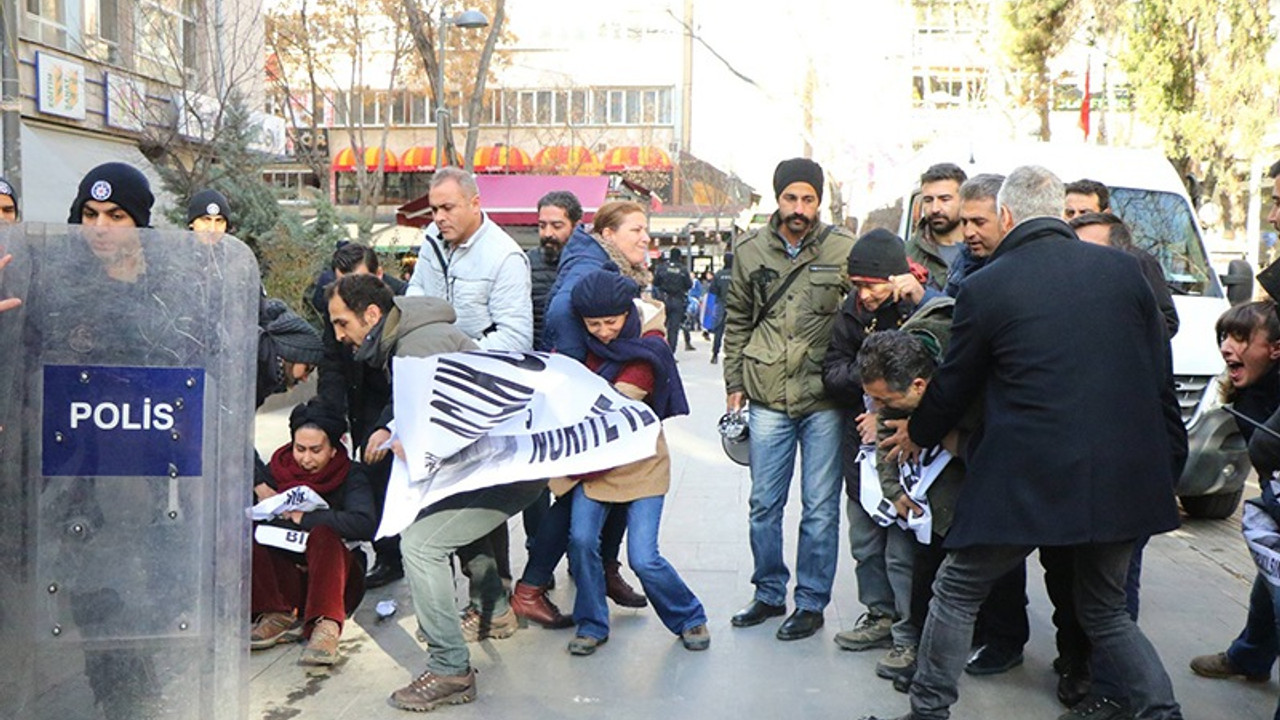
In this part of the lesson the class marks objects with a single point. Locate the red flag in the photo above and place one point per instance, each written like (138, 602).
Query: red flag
(1085, 105)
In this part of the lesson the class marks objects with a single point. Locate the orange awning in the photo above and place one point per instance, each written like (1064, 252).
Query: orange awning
(421, 158)
(635, 157)
(346, 160)
(567, 159)
(501, 159)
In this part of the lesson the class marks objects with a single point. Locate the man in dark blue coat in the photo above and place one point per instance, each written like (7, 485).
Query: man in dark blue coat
(1081, 439)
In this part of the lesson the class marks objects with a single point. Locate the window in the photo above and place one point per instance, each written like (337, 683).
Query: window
(418, 105)
(599, 107)
(665, 113)
(616, 100)
(166, 39)
(46, 22)
(544, 100)
(369, 111)
(633, 107)
(949, 87)
(102, 30)
(649, 108)
(578, 107)
(525, 108)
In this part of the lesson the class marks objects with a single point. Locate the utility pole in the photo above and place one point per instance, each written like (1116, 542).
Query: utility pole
(686, 105)
(10, 96)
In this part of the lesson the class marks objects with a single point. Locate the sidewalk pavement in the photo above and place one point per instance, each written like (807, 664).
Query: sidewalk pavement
(1194, 595)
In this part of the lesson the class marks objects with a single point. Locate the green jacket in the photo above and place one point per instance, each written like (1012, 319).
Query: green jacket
(933, 322)
(921, 248)
(778, 363)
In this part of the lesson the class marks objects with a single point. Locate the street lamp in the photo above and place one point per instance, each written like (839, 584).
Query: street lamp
(469, 19)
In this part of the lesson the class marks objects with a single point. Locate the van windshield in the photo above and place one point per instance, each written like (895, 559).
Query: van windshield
(1162, 224)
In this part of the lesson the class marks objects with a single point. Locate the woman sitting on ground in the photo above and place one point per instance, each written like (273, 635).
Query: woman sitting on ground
(311, 593)
(626, 346)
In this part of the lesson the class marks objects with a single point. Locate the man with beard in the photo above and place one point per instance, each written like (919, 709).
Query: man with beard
(1086, 196)
(559, 215)
(937, 244)
(789, 278)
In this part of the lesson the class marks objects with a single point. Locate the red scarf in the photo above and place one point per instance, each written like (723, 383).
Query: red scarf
(288, 473)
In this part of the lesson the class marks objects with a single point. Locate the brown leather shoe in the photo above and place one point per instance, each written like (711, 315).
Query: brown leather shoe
(530, 602)
(618, 590)
(429, 691)
(322, 648)
(1218, 665)
(274, 628)
(476, 627)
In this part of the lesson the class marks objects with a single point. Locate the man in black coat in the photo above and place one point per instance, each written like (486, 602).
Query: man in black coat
(559, 213)
(672, 281)
(1081, 439)
(360, 394)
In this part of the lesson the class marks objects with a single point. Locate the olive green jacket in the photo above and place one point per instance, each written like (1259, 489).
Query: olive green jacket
(778, 363)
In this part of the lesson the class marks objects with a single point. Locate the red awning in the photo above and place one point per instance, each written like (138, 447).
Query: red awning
(513, 199)
(501, 159)
(633, 157)
(345, 161)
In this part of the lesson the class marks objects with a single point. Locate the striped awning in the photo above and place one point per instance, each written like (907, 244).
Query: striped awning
(420, 158)
(636, 157)
(345, 161)
(502, 159)
(567, 160)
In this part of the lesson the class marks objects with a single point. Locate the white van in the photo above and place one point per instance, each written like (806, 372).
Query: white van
(1148, 194)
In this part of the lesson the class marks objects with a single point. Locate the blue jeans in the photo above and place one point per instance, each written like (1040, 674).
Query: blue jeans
(674, 602)
(552, 541)
(774, 437)
(884, 558)
(1099, 589)
(1255, 650)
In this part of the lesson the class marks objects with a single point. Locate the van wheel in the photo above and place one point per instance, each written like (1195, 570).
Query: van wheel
(1212, 507)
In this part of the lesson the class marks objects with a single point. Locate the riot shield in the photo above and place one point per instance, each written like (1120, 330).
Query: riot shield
(126, 415)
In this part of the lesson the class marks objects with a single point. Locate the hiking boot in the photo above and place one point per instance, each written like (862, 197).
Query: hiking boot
(616, 587)
(585, 645)
(1096, 707)
(274, 628)
(1220, 666)
(476, 627)
(429, 691)
(696, 638)
(901, 660)
(322, 648)
(870, 632)
(530, 602)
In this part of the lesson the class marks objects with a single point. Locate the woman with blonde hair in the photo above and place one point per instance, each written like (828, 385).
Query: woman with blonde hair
(619, 236)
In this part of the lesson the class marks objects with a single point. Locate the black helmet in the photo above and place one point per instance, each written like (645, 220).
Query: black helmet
(735, 437)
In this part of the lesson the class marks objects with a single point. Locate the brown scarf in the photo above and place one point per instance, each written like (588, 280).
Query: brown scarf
(639, 273)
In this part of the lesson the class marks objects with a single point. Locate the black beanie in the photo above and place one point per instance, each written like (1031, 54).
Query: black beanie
(208, 202)
(314, 412)
(878, 255)
(797, 170)
(603, 293)
(7, 189)
(118, 183)
(294, 339)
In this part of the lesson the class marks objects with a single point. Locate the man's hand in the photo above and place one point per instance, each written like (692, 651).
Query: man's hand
(262, 491)
(293, 516)
(397, 449)
(373, 450)
(907, 286)
(907, 508)
(867, 427)
(734, 401)
(11, 303)
(898, 445)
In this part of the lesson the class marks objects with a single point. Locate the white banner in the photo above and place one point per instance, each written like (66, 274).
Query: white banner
(473, 420)
(916, 478)
(300, 498)
(1263, 536)
(283, 538)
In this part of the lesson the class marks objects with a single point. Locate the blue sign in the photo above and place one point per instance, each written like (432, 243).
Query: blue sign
(122, 421)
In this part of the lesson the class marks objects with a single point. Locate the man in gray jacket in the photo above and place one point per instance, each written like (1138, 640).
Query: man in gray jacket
(380, 326)
(473, 264)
